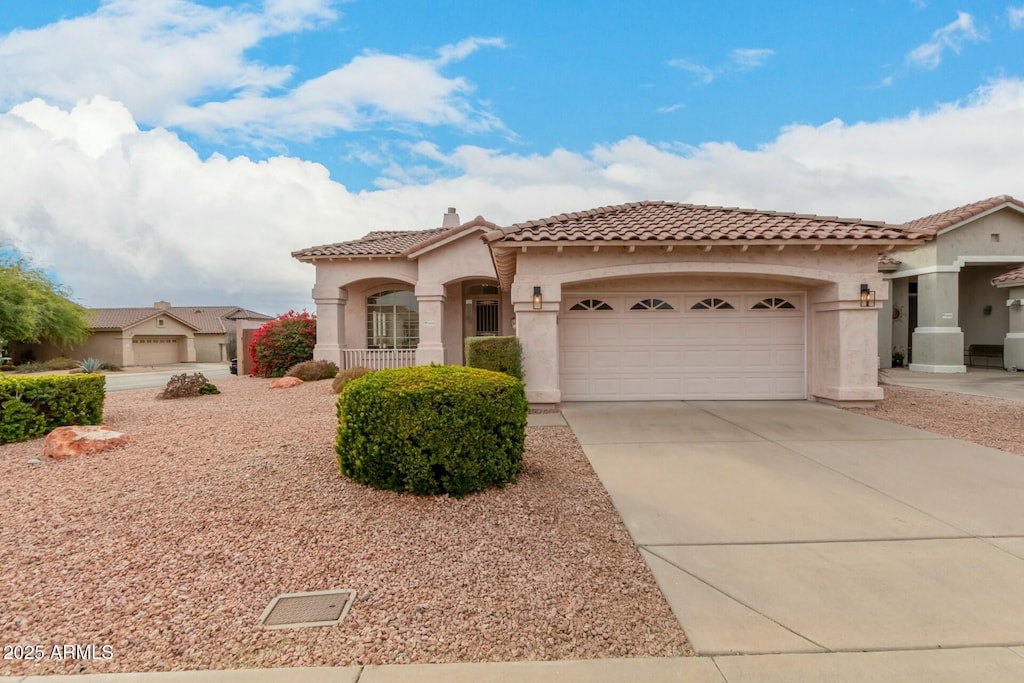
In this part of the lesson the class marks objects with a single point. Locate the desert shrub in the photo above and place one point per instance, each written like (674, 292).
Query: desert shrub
(61, 363)
(500, 354)
(112, 367)
(345, 376)
(30, 366)
(281, 343)
(33, 406)
(185, 385)
(90, 365)
(432, 429)
(313, 370)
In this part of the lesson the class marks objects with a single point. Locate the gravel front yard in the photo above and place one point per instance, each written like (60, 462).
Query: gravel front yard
(169, 550)
(992, 422)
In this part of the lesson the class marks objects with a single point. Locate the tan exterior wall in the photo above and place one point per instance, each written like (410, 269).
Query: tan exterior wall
(211, 348)
(977, 295)
(105, 346)
(975, 238)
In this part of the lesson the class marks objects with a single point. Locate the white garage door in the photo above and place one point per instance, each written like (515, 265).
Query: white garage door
(650, 346)
(155, 350)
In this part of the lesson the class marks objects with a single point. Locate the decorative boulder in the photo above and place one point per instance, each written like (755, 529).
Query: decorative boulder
(285, 382)
(70, 442)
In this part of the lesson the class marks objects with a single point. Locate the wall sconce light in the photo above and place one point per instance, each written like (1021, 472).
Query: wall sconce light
(867, 296)
(538, 302)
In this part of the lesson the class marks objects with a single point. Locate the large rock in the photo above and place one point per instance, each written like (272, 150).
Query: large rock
(71, 442)
(285, 382)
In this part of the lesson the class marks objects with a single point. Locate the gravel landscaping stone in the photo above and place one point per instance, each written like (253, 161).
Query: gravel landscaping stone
(165, 553)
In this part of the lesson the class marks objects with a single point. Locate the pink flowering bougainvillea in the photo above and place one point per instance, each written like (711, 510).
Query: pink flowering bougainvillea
(281, 343)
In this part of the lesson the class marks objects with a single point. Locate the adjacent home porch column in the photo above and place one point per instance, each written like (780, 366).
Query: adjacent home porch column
(1013, 345)
(938, 341)
(431, 312)
(330, 326)
(537, 329)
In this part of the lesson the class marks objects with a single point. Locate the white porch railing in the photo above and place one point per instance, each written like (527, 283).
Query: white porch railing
(377, 359)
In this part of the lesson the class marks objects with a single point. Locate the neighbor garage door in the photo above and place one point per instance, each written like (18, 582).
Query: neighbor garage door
(155, 350)
(714, 346)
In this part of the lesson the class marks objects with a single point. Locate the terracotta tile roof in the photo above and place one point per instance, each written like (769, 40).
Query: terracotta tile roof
(204, 319)
(1014, 276)
(884, 260)
(377, 243)
(669, 221)
(945, 219)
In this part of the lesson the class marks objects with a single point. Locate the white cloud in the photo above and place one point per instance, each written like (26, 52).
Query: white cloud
(161, 57)
(740, 60)
(668, 109)
(1015, 15)
(951, 36)
(127, 217)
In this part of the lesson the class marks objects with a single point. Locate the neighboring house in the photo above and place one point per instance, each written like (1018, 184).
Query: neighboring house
(954, 294)
(152, 336)
(642, 301)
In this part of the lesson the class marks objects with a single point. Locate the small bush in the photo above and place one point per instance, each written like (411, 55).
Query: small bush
(112, 367)
(60, 364)
(281, 343)
(500, 354)
(313, 370)
(30, 366)
(185, 385)
(33, 406)
(345, 376)
(432, 429)
(90, 365)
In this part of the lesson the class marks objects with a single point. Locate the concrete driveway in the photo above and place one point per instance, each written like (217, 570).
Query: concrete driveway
(793, 527)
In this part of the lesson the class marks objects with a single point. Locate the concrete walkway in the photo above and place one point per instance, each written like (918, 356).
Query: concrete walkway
(977, 381)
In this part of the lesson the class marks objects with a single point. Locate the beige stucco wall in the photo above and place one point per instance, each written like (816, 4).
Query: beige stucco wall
(975, 238)
(977, 293)
(211, 348)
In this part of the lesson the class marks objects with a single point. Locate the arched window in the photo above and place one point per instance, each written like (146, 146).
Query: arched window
(771, 303)
(392, 320)
(590, 305)
(712, 304)
(651, 305)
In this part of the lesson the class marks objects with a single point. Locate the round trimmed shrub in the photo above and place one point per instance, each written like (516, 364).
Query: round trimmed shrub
(281, 343)
(347, 375)
(313, 370)
(432, 429)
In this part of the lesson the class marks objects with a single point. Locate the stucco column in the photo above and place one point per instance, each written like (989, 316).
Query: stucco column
(1013, 345)
(431, 312)
(537, 330)
(842, 345)
(885, 343)
(330, 326)
(190, 349)
(938, 341)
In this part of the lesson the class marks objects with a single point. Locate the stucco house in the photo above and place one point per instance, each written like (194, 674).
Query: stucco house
(961, 291)
(152, 336)
(641, 301)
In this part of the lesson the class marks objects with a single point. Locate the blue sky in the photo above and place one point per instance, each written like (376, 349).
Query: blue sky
(187, 147)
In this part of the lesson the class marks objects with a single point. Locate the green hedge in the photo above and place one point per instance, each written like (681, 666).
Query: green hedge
(33, 406)
(500, 354)
(432, 429)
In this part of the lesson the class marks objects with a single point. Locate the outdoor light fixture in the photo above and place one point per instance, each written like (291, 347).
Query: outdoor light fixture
(867, 296)
(537, 301)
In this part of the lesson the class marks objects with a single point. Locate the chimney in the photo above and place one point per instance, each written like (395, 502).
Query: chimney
(451, 219)
(162, 305)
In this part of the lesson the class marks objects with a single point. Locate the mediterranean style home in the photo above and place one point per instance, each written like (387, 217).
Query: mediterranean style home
(957, 299)
(660, 300)
(153, 336)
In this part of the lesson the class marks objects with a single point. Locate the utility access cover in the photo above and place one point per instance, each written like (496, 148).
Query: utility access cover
(299, 610)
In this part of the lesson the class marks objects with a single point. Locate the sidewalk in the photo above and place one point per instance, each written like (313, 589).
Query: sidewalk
(992, 665)
(976, 381)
